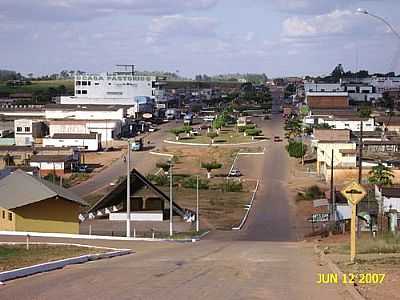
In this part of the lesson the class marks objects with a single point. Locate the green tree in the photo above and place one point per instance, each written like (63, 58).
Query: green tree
(296, 149)
(365, 111)
(381, 176)
(8, 160)
(212, 136)
(209, 166)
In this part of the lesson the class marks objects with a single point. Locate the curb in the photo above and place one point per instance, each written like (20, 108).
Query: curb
(250, 205)
(161, 154)
(212, 145)
(59, 264)
(335, 269)
(78, 236)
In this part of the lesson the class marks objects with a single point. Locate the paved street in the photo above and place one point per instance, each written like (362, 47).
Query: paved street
(263, 261)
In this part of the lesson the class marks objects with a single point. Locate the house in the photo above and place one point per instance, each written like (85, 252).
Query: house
(53, 164)
(353, 123)
(27, 131)
(108, 130)
(391, 204)
(88, 142)
(328, 141)
(28, 203)
(151, 205)
(323, 87)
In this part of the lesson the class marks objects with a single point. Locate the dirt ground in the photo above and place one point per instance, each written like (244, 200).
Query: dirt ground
(381, 263)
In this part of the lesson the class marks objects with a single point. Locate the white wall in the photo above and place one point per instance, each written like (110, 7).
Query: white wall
(48, 165)
(83, 114)
(89, 144)
(323, 87)
(368, 125)
(138, 216)
(23, 132)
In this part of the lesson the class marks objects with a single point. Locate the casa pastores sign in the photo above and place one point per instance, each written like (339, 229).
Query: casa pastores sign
(108, 78)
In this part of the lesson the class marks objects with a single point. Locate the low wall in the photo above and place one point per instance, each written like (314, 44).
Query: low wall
(138, 216)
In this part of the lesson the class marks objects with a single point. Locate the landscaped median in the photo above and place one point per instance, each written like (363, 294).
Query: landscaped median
(26, 258)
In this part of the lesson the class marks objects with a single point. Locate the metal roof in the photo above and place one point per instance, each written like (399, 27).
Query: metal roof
(20, 189)
(75, 136)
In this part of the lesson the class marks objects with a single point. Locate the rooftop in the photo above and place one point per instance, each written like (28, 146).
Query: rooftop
(75, 136)
(50, 158)
(332, 135)
(34, 190)
(87, 107)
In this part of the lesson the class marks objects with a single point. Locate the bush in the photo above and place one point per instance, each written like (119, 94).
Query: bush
(244, 128)
(163, 165)
(296, 149)
(253, 132)
(231, 186)
(191, 183)
(159, 180)
(311, 193)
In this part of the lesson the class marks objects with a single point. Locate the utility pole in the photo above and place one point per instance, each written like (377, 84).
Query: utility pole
(332, 191)
(128, 192)
(170, 200)
(360, 151)
(197, 206)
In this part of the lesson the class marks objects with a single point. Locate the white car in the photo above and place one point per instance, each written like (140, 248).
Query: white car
(152, 129)
(235, 173)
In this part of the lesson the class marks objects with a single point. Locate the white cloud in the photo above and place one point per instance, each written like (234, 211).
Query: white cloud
(68, 10)
(173, 26)
(335, 22)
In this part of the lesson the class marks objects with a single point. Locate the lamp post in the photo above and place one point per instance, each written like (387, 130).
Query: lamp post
(392, 29)
(197, 205)
(128, 192)
(170, 200)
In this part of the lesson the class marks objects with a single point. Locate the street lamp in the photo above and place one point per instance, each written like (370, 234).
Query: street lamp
(170, 200)
(366, 12)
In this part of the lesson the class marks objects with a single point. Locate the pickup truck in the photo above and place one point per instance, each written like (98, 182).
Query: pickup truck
(137, 145)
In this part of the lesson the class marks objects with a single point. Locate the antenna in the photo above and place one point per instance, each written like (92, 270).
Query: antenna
(126, 67)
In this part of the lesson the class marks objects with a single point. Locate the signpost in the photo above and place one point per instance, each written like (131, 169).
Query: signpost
(354, 193)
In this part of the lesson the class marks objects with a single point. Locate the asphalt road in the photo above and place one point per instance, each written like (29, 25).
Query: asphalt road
(259, 262)
(141, 160)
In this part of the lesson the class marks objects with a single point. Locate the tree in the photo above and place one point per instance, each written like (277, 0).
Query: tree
(163, 165)
(8, 160)
(294, 128)
(338, 72)
(365, 111)
(209, 166)
(177, 132)
(296, 149)
(212, 136)
(381, 176)
(253, 132)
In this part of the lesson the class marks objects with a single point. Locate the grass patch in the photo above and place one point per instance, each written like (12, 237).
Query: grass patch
(16, 256)
(384, 245)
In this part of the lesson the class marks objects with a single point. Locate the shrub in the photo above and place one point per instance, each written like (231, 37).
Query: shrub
(163, 165)
(191, 183)
(296, 149)
(231, 186)
(244, 128)
(253, 132)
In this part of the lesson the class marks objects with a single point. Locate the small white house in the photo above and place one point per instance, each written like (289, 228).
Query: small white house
(352, 123)
(88, 142)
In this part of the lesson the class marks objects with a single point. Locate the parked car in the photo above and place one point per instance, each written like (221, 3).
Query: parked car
(137, 145)
(152, 129)
(235, 173)
(82, 169)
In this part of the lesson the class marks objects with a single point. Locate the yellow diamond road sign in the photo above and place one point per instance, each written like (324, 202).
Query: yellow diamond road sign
(354, 192)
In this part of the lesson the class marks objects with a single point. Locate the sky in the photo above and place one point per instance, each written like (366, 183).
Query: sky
(275, 37)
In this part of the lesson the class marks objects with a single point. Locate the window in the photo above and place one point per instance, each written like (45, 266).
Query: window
(84, 83)
(84, 92)
(96, 83)
(4, 214)
(9, 216)
(346, 125)
(27, 129)
(78, 82)
(19, 129)
(78, 92)
(88, 83)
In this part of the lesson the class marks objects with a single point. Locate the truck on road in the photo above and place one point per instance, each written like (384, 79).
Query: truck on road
(137, 145)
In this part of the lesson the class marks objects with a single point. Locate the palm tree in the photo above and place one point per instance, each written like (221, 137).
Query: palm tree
(380, 176)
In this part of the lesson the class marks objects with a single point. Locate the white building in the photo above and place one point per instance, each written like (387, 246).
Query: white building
(89, 142)
(85, 112)
(383, 84)
(351, 123)
(323, 87)
(107, 129)
(362, 93)
(120, 88)
(27, 130)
